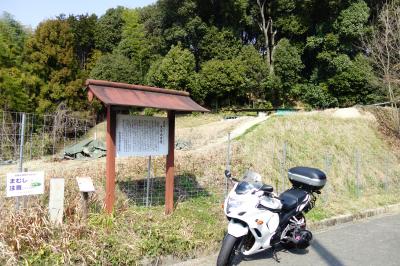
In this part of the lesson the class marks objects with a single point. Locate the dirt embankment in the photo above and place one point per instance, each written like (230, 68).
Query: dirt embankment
(386, 119)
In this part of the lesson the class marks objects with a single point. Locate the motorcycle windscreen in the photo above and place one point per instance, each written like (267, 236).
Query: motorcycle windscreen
(251, 181)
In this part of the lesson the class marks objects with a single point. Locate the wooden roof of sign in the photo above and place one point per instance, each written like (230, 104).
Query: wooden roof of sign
(122, 94)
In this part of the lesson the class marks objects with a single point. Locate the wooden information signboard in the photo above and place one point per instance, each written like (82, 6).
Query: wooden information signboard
(141, 135)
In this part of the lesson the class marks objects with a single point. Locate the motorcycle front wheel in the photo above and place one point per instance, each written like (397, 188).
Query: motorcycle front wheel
(229, 249)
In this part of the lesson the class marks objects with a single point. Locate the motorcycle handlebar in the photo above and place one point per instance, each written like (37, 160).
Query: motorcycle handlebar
(229, 176)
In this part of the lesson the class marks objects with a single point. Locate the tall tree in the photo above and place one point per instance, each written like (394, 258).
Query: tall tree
(50, 51)
(12, 40)
(174, 71)
(265, 22)
(219, 44)
(116, 67)
(83, 29)
(255, 73)
(134, 44)
(17, 86)
(108, 31)
(221, 82)
(288, 67)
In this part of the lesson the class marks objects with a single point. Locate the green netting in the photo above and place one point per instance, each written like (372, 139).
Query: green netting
(85, 148)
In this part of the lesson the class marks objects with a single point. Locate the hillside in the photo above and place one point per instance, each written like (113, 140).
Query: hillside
(363, 171)
(358, 161)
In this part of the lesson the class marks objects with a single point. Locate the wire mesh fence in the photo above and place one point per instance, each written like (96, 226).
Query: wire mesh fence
(41, 135)
(353, 175)
(198, 173)
(25, 137)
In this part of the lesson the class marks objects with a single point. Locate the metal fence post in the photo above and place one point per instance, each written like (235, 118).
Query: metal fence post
(2, 134)
(228, 162)
(327, 169)
(43, 129)
(54, 134)
(148, 182)
(284, 165)
(21, 152)
(386, 177)
(31, 137)
(357, 168)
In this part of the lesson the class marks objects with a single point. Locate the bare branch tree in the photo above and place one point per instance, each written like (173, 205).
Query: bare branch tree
(266, 26)
(383, 47)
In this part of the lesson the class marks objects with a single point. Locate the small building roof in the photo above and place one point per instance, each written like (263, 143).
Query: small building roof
(123, 94)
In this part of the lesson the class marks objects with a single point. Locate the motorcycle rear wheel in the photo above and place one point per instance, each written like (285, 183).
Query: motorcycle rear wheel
(289, 245)
(229, 249)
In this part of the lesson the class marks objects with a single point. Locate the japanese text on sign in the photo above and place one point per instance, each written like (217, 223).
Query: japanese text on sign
(141, 135)
(25, 183)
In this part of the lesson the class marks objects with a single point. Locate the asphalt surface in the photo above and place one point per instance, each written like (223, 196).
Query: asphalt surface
(374, 241)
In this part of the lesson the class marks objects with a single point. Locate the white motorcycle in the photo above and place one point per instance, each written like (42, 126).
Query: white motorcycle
(259, 219)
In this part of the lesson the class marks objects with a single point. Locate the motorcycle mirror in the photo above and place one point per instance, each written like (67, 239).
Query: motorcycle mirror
(228, 174)
(267, 188)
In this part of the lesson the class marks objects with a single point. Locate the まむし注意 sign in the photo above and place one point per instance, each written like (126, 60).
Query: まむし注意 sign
(141, 135)
(24, 184)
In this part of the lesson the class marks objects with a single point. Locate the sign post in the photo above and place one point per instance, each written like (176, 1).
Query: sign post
(169, 179)
(110, 159)
(148, 181)
(85, 185)
(56, 200)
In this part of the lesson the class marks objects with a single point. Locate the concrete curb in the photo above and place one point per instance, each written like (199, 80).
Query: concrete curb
(353, 217)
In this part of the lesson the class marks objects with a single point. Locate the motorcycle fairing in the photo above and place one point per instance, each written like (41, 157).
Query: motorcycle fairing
(267, 231)
(262, 233)
(237, 229)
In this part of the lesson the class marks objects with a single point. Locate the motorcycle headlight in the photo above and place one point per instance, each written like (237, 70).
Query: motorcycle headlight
(233, 204)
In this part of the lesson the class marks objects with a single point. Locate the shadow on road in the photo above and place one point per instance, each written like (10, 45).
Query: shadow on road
(325, 254)
(269, 254)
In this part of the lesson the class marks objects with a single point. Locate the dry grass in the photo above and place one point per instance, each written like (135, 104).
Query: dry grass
(195, 120)
(210, 133)
(197, 225)
(361, 167)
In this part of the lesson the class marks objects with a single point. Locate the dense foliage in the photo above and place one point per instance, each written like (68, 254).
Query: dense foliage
(234, 52)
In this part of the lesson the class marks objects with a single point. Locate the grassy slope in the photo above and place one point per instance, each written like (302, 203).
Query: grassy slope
(350, 151)
(198, 224)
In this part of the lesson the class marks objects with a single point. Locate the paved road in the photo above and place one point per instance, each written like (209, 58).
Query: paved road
(375, 241)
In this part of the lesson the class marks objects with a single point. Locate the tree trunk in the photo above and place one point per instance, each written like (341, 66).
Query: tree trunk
(266, 27)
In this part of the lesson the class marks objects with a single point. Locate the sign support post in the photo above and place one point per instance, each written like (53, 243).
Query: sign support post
(148, 182)
(169, 178)
(110, 159)
(85, 203)
(85, 185)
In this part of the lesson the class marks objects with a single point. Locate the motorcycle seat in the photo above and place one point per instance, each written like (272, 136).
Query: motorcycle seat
(292, 198)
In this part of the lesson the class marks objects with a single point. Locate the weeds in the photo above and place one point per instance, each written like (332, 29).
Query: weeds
(197, 224)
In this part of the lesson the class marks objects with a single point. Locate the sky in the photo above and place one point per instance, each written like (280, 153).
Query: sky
(32, 12)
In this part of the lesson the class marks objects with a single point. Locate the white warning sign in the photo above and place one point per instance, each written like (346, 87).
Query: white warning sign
(141, 135)
(25, 183)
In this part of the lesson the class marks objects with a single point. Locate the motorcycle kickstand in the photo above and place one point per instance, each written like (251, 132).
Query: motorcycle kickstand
(275, 253)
